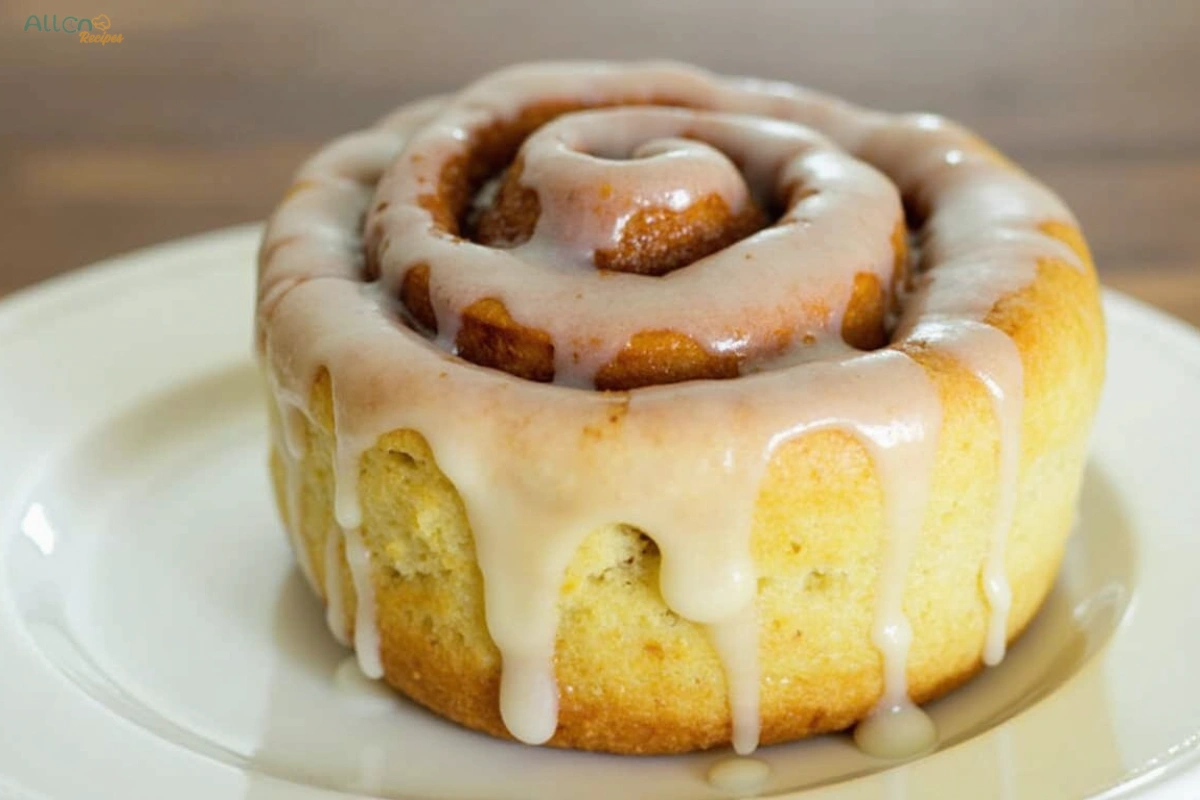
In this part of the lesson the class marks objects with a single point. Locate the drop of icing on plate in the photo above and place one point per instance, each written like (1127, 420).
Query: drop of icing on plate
(900, 731)
(743, 777)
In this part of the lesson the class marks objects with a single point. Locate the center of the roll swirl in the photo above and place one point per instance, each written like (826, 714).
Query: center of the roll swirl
(622, 190)
(521, 243)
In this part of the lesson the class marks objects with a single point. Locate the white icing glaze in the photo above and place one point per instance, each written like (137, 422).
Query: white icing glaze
(736, 643)
(293, 488)
(980, 240)
(366, 628)
(810, 256)
(335, 603)
(904, 463)
(289, 427)
(995, 361)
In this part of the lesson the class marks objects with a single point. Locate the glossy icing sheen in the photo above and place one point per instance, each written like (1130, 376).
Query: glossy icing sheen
(980, 239)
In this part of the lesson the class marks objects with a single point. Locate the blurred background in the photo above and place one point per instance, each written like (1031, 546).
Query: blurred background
(198, 116)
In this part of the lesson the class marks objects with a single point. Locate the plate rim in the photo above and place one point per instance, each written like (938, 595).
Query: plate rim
(24, 308)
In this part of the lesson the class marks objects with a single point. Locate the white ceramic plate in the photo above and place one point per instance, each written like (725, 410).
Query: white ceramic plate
(156, 642)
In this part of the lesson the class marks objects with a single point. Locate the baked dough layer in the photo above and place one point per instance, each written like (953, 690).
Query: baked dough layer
(635, 678)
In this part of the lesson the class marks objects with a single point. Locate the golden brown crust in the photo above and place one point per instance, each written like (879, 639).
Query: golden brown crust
(414, 294)
(655, 357)
(655, 241)
(510, 220)
(490, 337)
(865, 324)
(468, 693)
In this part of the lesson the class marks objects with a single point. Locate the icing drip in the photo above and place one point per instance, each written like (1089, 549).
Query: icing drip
(996, 363)
(979, 241)
(529, 694)
(335, 603)
(293, 492)
(348, 515)
(904, 457)
(366, 628)
(1006, 394)
(291, 454)
(736, 643)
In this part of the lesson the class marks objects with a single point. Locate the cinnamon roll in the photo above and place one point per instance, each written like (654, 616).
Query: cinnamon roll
(637, 409)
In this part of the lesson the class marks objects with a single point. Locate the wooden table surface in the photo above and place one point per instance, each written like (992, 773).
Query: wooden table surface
(198, 116)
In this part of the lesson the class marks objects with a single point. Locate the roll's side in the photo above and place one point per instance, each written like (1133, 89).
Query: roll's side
(634, 677)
